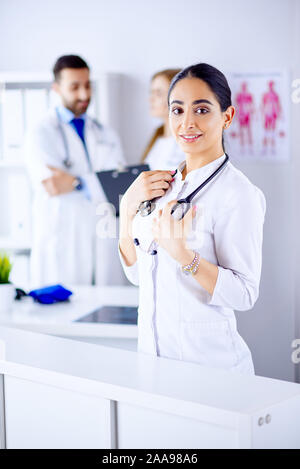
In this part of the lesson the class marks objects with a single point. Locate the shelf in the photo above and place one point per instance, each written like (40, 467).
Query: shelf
(25, 77)
(12, 164)
(13, 245)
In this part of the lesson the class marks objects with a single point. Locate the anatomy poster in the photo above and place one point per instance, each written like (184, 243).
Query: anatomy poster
(260, 130)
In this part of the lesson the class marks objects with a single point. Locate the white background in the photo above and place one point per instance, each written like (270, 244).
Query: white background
(137, 38)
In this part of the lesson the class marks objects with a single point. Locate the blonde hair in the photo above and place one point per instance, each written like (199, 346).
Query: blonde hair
(169, 73)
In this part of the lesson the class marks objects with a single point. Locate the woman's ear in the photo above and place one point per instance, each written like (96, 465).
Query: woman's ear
(228, 116)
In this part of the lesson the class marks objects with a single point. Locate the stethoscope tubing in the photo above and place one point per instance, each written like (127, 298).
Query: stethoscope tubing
(181, 202)
(67, 161)
(189, 198)
(147, 207)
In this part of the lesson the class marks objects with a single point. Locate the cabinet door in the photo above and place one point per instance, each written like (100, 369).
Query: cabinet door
(39, 416)
(138, 427)
(278, 427)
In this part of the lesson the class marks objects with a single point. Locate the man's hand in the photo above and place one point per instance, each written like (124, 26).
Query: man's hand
(59, 183)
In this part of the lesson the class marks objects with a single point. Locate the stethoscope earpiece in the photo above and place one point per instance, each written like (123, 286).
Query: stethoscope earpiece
(153, 252)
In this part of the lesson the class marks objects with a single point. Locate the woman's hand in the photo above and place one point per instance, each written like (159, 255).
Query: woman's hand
(171, 234)
(147, 186)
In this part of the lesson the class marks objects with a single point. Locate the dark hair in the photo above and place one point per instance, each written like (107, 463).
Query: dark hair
(68, 61)
(215, 79)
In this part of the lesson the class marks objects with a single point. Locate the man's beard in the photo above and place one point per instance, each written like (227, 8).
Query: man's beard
(76, 108)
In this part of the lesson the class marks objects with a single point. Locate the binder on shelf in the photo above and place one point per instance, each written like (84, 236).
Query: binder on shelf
(18, 199)
(116, 182)
(36, 106)
(12, 124)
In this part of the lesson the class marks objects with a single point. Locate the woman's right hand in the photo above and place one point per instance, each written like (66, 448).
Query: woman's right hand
(147, 186)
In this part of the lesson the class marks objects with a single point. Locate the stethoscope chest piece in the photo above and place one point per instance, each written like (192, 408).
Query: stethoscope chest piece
(180, 209)
(67, 163)
(182, 205)
(146, 207)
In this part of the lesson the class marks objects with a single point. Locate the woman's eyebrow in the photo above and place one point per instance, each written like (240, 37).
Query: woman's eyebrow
(177, 102)
(199, 101)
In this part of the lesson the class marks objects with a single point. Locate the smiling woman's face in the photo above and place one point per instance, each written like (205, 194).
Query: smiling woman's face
(195, 117)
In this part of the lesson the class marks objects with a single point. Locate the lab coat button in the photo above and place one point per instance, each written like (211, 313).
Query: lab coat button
(268, 418)
(261, 421)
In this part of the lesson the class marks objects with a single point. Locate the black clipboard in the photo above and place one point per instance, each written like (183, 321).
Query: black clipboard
(116, 182)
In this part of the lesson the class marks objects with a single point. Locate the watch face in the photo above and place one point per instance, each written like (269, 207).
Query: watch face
(77, 184)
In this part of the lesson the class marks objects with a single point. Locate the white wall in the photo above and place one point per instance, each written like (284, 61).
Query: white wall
(138, 38)
(295, 226)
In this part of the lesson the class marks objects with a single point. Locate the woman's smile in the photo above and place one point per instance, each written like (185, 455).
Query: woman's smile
(190, 138)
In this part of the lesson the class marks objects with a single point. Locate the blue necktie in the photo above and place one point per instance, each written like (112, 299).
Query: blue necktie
(78, 123)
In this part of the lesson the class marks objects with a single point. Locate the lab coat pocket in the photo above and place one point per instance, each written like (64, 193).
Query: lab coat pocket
(209, 343)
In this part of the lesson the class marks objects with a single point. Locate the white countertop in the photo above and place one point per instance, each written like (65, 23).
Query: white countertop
(59, 318)
(173, 386)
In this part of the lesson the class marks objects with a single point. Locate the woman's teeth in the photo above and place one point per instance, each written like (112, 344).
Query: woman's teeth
(190, 138)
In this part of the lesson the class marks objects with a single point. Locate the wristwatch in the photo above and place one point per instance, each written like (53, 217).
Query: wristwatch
(77, 184)
(193, 266)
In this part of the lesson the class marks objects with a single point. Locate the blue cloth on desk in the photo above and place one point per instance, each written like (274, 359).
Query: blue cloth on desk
(51, 294)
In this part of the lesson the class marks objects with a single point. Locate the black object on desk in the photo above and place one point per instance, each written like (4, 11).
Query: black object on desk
(112, 315)
(116, 182)
(20, 293)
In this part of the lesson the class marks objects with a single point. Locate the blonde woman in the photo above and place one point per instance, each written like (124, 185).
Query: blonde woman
(162, 151)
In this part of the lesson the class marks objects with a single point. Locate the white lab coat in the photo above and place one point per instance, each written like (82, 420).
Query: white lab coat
(179, 319)
(65, 248)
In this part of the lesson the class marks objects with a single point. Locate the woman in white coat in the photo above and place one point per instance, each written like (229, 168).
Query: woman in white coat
(194, 272)
(162, 151)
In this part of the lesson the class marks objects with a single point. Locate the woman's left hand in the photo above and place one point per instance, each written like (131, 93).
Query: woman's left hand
(171, 234)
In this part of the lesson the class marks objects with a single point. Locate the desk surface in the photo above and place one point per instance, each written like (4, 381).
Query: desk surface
(59, 318)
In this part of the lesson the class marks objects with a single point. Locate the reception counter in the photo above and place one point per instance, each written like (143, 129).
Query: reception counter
(61, 393)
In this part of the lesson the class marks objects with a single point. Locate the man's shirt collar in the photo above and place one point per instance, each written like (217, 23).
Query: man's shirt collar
(66, 115)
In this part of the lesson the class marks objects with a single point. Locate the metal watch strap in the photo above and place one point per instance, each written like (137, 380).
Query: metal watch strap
(193, 266)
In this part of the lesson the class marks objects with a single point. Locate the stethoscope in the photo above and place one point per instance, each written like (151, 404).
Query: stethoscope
(67, 160)
(182, 205)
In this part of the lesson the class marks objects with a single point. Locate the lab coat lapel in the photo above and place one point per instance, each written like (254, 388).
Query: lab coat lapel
(91, 138)
(196, 177)
(99, 146)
